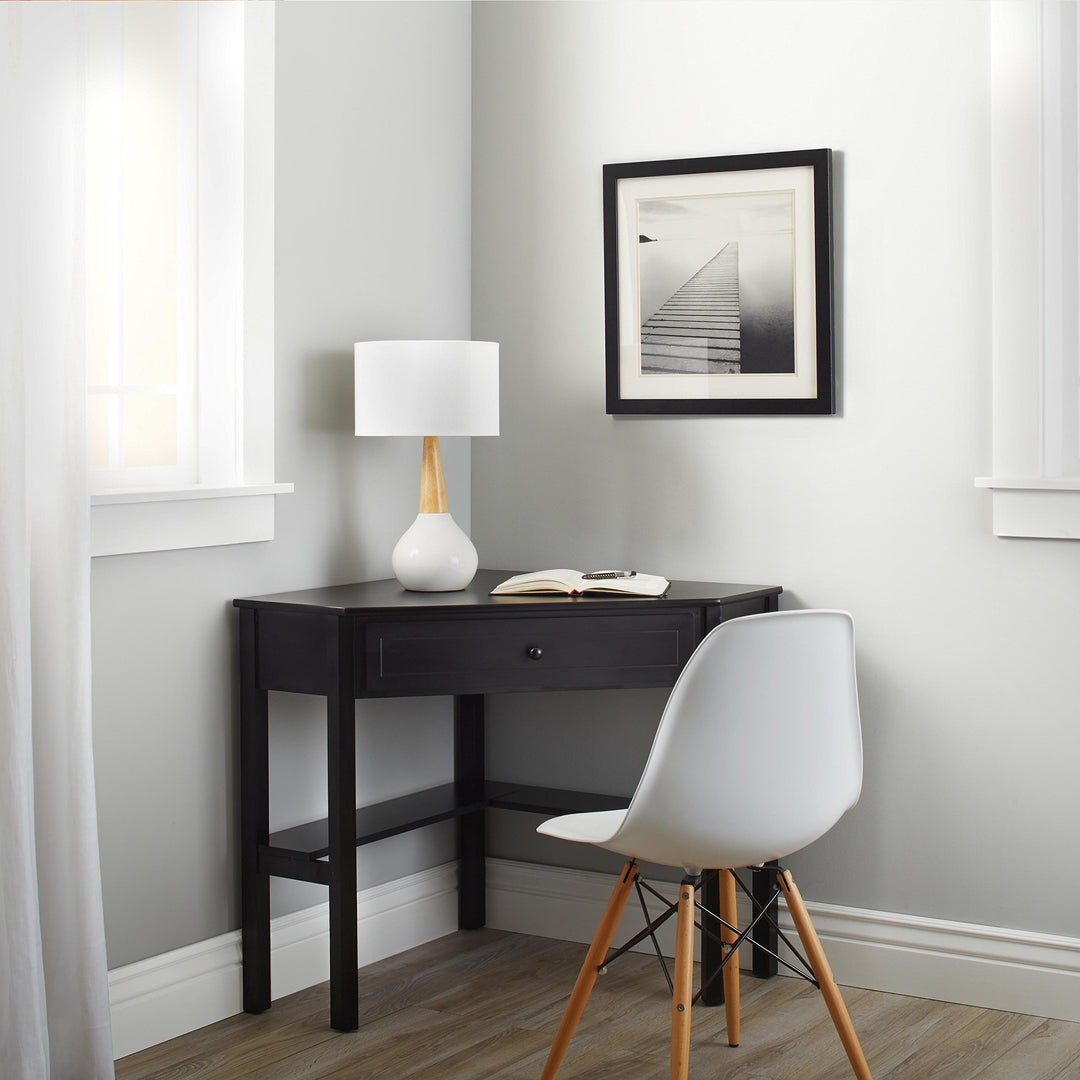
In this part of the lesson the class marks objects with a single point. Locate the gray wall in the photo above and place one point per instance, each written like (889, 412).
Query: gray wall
(372, 189)
(967, 644)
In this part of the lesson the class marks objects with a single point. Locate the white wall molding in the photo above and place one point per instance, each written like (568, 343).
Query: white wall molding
(1036, 243)
(986, 966)
(125, 522)
(1037, 507)
(167, 995)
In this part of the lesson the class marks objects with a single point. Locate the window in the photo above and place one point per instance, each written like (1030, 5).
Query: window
(1035, 134)
(179, 247)
(141, 212)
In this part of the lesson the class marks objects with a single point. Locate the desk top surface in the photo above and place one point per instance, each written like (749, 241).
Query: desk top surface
(387, 595)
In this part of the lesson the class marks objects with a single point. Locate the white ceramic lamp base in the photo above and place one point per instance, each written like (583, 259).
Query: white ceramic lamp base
(434, 555)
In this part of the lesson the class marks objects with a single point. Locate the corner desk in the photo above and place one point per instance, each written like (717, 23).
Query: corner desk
(374, 639)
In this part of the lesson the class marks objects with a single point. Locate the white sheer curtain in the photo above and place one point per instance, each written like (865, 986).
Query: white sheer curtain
(54, 1008)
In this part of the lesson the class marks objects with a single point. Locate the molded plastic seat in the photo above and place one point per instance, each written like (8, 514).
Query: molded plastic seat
(765, 695)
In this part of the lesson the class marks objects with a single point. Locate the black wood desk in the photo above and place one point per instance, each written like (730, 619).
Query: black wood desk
(374, 639)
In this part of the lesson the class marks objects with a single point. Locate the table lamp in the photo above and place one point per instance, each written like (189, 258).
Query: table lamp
(429, 388)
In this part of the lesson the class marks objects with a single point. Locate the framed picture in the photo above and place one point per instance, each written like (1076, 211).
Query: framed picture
(718, 284)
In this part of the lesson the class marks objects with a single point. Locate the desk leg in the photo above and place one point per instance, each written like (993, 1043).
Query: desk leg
(254, 824)
(469, 771)
(763, 887)
(341, 806)
(711, 954)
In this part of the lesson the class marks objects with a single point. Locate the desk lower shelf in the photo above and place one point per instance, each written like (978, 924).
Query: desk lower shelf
(298, 852)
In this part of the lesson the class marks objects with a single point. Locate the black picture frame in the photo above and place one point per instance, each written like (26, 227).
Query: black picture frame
(750, 330)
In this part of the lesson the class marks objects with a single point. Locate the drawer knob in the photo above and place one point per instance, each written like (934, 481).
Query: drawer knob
(535, 652)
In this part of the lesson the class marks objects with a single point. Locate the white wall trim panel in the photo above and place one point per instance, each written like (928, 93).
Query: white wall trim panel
(125, 522)
(179, 991)
(1038, 508)
(1036, 273)
(986, 966)
(992, 967)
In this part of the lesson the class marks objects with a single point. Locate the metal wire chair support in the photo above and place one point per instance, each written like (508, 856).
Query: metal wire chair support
(761, 911)
(652, 925)
(655, 943)
(730, 951)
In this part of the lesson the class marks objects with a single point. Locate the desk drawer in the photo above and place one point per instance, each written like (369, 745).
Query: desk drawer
(466, 656)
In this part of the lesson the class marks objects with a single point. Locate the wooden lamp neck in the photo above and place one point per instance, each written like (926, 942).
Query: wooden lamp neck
(432, 485)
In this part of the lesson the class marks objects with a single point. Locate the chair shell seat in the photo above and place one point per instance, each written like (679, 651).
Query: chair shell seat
(766, 702)
(603, 829)
(596, 828)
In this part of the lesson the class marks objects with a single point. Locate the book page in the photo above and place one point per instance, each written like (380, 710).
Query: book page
(564, 581)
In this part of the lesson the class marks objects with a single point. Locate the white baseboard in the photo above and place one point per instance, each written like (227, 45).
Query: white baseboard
(168, 995)
(987, 966)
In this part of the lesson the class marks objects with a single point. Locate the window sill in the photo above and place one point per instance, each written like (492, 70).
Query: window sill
(122, 523)
(1035, 507)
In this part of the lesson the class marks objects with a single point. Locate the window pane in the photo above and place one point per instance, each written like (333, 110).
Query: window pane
(149, 430)
(98, 430)
(150, 194)
(166, 200)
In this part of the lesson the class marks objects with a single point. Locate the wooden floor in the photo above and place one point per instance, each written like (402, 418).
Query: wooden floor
(483, 1005)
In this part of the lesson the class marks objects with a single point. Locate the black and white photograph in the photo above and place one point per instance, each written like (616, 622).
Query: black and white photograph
(717, 284)
(718, 275)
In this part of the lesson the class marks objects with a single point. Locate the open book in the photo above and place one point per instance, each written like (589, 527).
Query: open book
(571, 582)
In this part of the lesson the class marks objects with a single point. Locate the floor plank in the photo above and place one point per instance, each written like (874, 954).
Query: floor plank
(1050, 1050)
(484, 1005)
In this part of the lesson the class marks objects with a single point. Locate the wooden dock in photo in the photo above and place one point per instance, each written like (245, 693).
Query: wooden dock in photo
(697, 330)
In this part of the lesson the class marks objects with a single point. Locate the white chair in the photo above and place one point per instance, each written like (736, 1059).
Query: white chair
(771, 695)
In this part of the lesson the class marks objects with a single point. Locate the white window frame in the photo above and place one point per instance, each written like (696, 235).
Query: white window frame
(1035, 486)
(233, 501)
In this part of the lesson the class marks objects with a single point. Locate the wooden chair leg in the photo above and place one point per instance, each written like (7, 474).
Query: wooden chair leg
(683, 993)
(731, 968)
(823, 973)
(589, 970)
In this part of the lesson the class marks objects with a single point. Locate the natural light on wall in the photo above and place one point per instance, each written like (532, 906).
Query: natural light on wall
(179, 270)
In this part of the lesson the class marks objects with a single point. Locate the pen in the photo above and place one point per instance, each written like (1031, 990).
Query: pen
(607, 574)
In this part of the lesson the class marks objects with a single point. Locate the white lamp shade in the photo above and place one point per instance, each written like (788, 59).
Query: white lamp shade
(427, 387)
